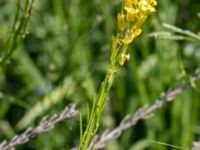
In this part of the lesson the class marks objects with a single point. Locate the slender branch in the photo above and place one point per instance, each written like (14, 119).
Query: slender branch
(99, 142)
(45, 125)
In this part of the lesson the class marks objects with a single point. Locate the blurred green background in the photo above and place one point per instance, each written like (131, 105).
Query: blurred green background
(63, 59)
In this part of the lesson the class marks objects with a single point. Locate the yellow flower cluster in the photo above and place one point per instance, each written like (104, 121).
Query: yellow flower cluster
(133, 16)
(130, 20)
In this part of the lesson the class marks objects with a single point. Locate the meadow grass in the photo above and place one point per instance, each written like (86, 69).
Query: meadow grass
(64, 59)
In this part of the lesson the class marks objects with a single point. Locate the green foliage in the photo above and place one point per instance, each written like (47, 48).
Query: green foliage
(64, 57)
(18, 31)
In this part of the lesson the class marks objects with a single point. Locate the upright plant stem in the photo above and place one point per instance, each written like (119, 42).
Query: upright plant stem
(129, 22)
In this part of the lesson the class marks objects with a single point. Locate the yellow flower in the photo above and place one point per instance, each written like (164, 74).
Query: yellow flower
(135, 2)
(129, 36)
(121, 21)
(152, 2)
(128, 3)
(130, 14)
(147, 6)
(140, 22)
(137, 32)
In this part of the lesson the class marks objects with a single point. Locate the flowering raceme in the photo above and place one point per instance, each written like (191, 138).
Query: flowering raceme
(130, 20)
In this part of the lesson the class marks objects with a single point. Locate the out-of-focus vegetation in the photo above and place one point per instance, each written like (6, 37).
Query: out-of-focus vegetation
(63, 59)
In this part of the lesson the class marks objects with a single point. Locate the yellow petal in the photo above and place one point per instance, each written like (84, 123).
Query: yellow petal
(131, 14)
(129, 36)
(128, 3)
(137, 32)
(135, 2)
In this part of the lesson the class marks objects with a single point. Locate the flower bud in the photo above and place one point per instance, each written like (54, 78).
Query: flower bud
(123, 58)
(121, 22)
(130, 14)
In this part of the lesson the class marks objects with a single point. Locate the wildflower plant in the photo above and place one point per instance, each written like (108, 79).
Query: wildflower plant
(129, 22)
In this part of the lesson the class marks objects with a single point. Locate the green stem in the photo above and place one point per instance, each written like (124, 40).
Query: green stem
(99, 103)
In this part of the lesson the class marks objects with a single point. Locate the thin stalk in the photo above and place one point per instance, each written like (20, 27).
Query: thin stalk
(17, 33)
(128, 29)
